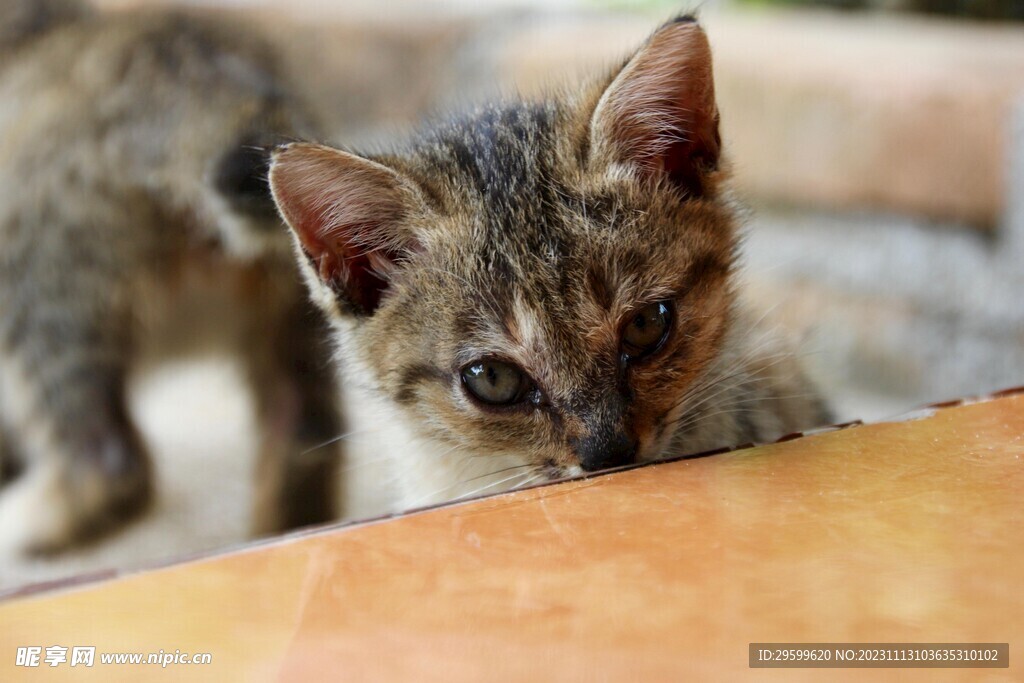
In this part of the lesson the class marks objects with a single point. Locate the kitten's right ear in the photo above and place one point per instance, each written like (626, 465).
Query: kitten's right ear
(658, 116)
(347, 215)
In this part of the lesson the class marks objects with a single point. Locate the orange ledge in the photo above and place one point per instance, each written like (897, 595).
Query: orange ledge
(896, 532)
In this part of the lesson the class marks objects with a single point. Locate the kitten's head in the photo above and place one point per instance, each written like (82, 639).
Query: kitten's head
(542, 281)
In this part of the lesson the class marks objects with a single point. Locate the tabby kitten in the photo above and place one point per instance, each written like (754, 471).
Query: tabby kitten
(136, 221)
(539, 289)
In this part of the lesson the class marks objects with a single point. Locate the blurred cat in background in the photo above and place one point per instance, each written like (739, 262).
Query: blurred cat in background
(540, 289)
(136, 221)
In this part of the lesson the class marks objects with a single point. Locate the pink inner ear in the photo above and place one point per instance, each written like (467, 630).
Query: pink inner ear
(345, 211)
(352, 274)
(659, 114)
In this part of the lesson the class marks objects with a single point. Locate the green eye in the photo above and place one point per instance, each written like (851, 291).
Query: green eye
(495, 382)
(646, 330)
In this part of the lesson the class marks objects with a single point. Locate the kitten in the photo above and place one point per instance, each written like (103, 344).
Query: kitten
(540, 289)
(136, 221)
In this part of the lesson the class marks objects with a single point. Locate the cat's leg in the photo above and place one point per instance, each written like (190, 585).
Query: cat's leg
(64, 353)
(298, 420)
(756, 392)
(760, 399)
(779, 398)
(10, 463)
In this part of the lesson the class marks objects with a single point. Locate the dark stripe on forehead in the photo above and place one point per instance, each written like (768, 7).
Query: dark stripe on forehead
(501, 152)
(462, 152)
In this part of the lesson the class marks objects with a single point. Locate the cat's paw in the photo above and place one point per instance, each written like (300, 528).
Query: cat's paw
(35, 516)
(51, 508)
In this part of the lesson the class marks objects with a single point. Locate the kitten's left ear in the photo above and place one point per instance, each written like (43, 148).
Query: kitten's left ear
(658, 116)
(349, 217)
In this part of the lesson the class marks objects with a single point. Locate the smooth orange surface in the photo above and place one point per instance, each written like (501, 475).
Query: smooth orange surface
(901, 532)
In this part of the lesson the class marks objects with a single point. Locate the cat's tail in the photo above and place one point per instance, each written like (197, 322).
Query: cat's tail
(24, 20)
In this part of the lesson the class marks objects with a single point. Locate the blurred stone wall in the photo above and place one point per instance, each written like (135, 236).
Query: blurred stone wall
(975, 9)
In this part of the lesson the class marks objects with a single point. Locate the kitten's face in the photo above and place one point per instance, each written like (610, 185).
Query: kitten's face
(540, 282)
(561, 323)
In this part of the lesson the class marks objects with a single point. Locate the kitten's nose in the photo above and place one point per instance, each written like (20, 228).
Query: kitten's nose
(601, 451)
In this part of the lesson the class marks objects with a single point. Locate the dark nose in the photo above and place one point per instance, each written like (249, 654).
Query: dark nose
(601, 451)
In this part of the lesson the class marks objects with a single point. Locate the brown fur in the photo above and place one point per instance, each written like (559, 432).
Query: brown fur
(531, 233)
(135, 222)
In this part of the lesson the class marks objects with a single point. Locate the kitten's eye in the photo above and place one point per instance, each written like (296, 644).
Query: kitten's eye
(495, 382)
(646, 330)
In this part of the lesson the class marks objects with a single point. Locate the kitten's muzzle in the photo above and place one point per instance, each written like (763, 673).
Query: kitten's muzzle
(603, 451)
